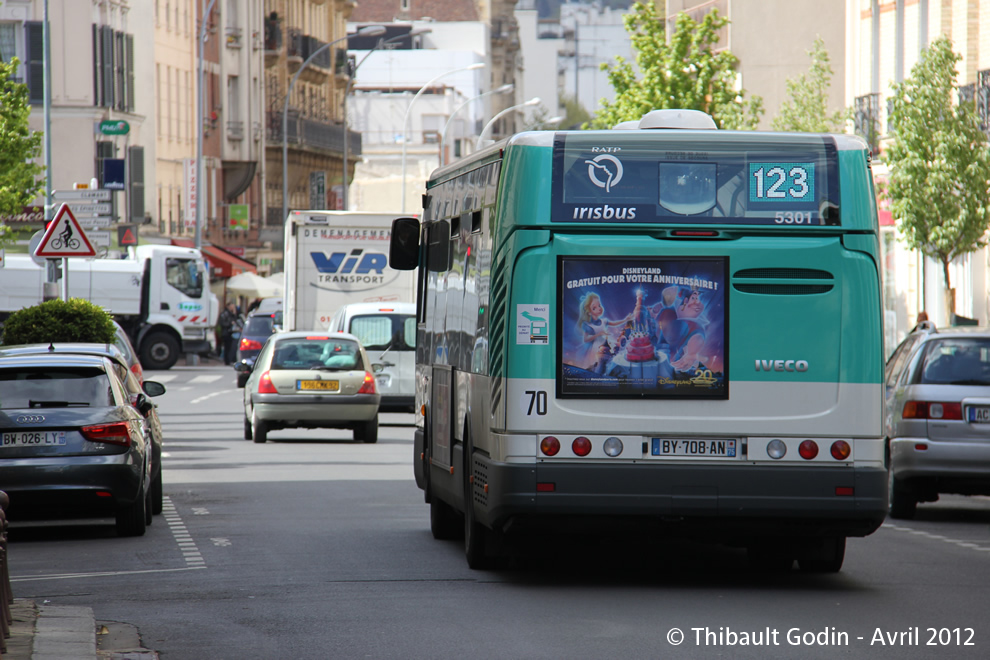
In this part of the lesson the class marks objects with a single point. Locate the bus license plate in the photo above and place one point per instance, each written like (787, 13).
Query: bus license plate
(320, 385)
(979, 414)
(719, 448)
(33, 439)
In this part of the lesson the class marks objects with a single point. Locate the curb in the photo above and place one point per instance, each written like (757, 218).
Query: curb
(51, 632)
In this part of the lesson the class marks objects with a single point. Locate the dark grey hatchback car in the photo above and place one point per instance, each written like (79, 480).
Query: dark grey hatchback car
(71, 443)
(938, 416)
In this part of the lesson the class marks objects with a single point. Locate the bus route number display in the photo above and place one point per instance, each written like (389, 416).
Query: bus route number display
(783, 185)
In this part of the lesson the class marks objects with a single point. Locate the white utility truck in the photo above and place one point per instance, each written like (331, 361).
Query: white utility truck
(333, 258)
(159, 294)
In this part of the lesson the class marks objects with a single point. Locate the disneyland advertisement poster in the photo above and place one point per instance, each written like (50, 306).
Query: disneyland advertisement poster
(643, 327)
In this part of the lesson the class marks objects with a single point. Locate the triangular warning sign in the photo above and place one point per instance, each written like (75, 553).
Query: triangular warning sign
(128, 237)
(64, 237)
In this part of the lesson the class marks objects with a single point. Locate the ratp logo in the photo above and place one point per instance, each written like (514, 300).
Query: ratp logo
(610, 172)
(358, 262)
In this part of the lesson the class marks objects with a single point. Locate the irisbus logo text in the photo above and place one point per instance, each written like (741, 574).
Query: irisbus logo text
(781, 365)
(604, 212)
(356, 266)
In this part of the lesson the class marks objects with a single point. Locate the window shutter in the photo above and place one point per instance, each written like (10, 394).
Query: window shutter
(135, 176)
(106, 62)
(129, 71)
(97, 68)
(34, 68)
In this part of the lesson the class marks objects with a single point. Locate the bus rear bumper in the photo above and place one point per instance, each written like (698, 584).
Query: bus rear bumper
(709, 500)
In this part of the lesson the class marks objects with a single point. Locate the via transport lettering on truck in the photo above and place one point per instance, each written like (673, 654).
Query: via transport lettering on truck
(334, 258)
(159, 294)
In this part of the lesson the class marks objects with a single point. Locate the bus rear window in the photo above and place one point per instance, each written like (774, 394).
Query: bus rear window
(664, 177)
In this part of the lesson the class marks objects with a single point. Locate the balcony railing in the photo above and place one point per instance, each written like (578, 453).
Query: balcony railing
(311, 134)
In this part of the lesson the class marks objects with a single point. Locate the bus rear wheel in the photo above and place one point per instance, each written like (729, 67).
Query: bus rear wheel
(827, 558)
(444, 521)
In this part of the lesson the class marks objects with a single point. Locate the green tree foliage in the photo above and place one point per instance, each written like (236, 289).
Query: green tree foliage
(807, 108)
(939, 163)
(75, 320)
(685, 72)
(20, 181)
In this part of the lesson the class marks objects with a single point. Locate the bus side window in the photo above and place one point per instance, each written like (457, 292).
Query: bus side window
(438, 258)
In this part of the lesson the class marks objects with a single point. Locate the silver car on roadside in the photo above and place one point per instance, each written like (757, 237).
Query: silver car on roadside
(311, 380)
(938, 416)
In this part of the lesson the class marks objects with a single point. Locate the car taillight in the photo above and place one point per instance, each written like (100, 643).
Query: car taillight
(368, 387)
(116, 433)
(137, 371)
(250, 344)
(931, 410)
(265, 385)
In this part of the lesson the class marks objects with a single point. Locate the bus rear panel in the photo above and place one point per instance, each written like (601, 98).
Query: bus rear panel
(672, 329)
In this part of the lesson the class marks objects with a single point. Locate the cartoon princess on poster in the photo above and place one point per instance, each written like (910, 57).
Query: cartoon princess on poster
(593, 326)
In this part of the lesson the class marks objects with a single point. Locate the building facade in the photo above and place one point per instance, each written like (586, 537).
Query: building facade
(101, 112)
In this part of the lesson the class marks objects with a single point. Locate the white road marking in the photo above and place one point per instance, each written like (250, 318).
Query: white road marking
(938, 537)
(164, 378)
(210, 396)
(179, 532)
(206, 379)
(71, 576)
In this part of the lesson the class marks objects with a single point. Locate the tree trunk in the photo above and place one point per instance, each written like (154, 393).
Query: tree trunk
(950, 295)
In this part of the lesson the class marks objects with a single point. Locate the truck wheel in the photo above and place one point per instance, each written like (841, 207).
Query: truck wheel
(159, 351)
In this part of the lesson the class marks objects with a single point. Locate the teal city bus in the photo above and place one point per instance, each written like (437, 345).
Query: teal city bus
(676, 329)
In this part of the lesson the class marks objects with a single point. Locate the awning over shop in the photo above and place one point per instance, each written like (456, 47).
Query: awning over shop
(222, 263)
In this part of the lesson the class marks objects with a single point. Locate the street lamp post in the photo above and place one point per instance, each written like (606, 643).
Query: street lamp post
(369, 31)
(347, 90)
(533, 101)
(200, 118)
(405, 119)
(508, 87)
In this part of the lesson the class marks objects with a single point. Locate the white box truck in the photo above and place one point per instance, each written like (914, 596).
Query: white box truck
(159, 294)
(333, 258)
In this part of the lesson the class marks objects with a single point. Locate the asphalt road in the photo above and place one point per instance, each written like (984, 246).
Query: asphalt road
(312, 546)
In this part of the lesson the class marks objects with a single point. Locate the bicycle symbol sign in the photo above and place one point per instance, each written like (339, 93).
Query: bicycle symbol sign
(64, 237)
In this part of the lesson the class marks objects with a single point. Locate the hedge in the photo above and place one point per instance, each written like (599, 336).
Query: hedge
(75, 320)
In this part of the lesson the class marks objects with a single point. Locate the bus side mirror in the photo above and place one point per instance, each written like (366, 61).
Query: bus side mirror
(403, 249)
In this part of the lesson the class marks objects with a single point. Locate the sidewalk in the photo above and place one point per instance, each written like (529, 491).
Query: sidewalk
(69, 632)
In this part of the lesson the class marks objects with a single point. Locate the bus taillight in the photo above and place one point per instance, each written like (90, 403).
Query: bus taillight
(581, 446)
(840, 450)
(808, 449)
(550, 445)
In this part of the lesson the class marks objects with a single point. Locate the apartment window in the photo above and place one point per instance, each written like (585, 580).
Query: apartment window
(168, 16)
(34, 61)
(867, 120)
(432, 125)
(168, 102)
(405, 5)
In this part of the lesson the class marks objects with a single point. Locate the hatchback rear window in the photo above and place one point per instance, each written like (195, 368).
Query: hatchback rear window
(58, 387)
(317, 353)
(259, 325)
(956, 361)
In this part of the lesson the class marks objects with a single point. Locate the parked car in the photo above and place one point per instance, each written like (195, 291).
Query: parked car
(137, 394)
(311, 380)
(938, 416)
(258, 327)
(123, 342)
(71, 443)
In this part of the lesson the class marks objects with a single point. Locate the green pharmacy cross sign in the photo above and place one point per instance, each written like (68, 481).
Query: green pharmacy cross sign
(114, 127)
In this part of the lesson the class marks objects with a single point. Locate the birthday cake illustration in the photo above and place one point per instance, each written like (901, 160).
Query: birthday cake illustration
(639, 349)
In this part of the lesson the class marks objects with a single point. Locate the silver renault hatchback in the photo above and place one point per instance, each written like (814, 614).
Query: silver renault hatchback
(938, 416)
(311, 380)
